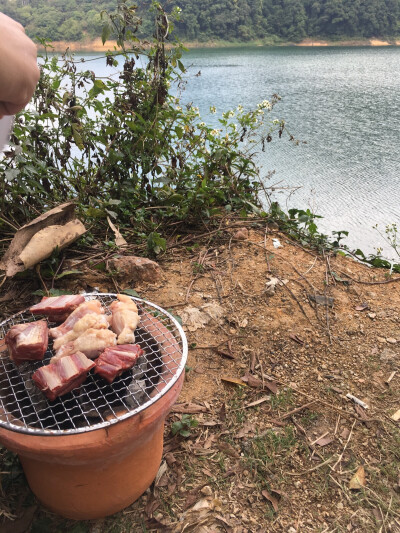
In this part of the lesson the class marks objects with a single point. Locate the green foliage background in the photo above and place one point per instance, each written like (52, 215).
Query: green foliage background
(230, 20)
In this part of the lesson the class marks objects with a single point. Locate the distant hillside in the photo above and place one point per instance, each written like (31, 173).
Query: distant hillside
(229, 20)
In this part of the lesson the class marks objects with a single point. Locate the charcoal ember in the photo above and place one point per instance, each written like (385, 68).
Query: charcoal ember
(138, 395)
(38, 399)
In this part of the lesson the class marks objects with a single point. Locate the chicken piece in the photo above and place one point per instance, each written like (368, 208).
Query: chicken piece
(124, 319)
(57, 308)
(92, 306)
(89, 321)
(91, 343)
(56, 379)
(27, 342)
(115, 360)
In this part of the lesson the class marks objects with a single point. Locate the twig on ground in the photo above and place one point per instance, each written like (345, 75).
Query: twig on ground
(345, 446)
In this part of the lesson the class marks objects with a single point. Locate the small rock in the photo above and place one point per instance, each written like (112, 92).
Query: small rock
(242, 234)
(388, 356)
(391, 340)
(206, 491)
(371, 315)
(131, 268)
(292, 530)
(380, 339)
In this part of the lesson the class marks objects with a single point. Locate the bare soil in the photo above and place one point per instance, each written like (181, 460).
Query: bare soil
(277, 443)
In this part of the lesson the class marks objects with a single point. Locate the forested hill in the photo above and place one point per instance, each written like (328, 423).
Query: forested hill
(229, 20)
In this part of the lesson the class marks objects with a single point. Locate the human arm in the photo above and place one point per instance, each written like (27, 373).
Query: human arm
(19, 71)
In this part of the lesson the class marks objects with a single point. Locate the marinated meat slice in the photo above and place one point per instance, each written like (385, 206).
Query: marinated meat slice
(56, 379)
(89, 321)
(92, 306)
(115, 360)
(57, 308)
(27, 342)
(124, 319)
(92, 342)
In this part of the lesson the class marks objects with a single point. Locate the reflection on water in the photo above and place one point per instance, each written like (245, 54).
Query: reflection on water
(344, 102)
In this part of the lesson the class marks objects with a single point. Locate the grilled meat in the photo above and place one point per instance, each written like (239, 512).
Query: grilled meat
(85, 308)
(124, 319)
(116, 359)
(57, 308)
(56, 379)
(92, 342)
(27, 342)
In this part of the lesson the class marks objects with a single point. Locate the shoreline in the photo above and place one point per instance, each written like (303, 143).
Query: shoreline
(96, 45)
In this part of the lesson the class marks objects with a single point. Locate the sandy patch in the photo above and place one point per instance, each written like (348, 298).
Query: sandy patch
(378, 42)
(86, 46)
(310, 42)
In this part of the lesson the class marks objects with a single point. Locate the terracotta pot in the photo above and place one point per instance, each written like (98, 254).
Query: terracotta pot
(97, 473)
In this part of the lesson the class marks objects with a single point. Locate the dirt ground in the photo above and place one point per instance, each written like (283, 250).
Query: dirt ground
(277, 338)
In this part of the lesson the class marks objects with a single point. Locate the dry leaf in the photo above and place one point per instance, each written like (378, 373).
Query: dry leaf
(272, 499)
(296, 338)
(271, 385)
(119, 240)
(252, 381)
(228, 449)
(362, 307)
(234, 381)
(36, 240)
(245, 431)
(396, 416)
(188, 408)
(357, 482)
(257, 402)
(324, 441)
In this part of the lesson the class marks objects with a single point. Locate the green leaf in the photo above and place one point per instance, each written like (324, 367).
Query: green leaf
(105, 34)
(67, 273)
(77, 136)
(131, 292)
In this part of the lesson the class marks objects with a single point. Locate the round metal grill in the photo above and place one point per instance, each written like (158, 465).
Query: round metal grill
(95, 404)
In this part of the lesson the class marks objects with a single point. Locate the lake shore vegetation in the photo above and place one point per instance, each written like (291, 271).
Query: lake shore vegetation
(269, 22)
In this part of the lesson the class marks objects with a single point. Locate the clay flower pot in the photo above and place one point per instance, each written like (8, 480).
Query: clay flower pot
(96, 473)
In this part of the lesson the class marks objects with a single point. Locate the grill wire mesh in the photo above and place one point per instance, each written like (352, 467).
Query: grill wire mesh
(95, 404)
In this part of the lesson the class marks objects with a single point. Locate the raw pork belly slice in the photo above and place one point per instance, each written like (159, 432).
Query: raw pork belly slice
(92, 306)
(27, 342)
(91, 320)
(115, 360)
(56, 379)
(124, 319)
(92, 342)
(57, 308)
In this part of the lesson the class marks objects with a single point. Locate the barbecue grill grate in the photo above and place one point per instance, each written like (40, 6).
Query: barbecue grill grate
(96, 404)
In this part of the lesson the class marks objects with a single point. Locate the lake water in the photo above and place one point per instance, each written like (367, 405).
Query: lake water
(344, 102)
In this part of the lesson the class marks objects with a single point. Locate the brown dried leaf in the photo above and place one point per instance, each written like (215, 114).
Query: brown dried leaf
(152, 505)
(188, 408)
(233, 381)
(358, 481)
(252, 381)
(258, 402)
(274, 501)
(396, 416)
(246, 430)
(362, 414)
(272, 386)
(170, 458)
(362, 307)
(296, 338)
(227, 449)
(222, 413)
(324, 441)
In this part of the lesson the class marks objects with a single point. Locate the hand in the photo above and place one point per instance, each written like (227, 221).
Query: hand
(19, 72)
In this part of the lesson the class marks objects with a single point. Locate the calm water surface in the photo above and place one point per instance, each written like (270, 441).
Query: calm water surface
(344, 102)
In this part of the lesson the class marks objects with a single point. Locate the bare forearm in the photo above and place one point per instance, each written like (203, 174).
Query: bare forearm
(19, 72)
